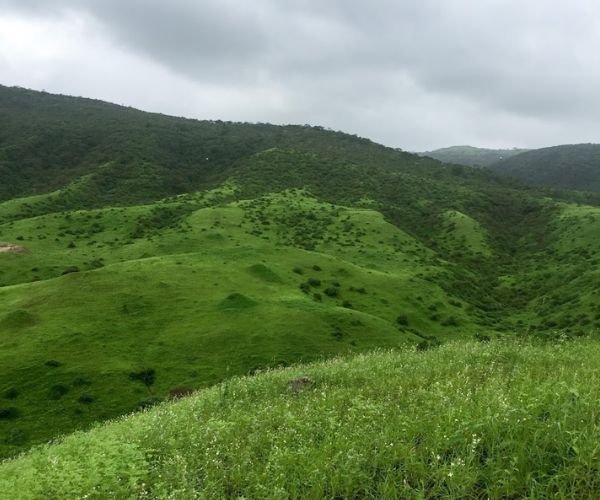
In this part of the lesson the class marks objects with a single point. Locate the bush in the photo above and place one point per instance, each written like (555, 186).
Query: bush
(86, 399)
(9, 413)
(314, 282)
(331, 291)
(57, 391)
(402, 320)
(11, 393)
(70, 269)
(450, 321)
(52, 363)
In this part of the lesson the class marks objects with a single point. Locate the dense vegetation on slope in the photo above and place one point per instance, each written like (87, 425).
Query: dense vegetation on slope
(143, 256)
(466, 420)
(573, 166)
(469, 155)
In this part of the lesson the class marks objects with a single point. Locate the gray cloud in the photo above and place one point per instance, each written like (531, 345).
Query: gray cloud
(415, 74)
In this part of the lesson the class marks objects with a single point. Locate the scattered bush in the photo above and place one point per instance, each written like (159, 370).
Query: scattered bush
(331, 291)
(52, 363)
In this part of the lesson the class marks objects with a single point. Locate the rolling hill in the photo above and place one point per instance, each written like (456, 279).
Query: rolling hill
(572, 166)
(144, 256)
(469, 155)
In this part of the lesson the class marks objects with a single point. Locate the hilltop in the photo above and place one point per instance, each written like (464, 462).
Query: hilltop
(145, 256)
(571, 166)
(469, 155)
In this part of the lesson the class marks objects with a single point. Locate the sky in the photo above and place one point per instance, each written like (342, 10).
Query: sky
(413, 74)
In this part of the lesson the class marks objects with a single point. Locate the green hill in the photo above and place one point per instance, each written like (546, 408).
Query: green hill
(467, 420)
(143, 256)
(573, 166)
(469, 155)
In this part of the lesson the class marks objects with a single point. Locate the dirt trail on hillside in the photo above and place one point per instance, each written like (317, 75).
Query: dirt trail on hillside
(11, 248)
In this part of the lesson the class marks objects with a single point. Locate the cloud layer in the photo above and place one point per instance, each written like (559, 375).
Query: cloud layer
(414, 74)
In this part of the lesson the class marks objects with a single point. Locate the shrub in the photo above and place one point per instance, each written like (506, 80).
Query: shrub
(317, 297)
(70, 269)
(80, 381)
(52, 363)
(11, 393)
(316, 268)
(86, 399)
(347, 304)
(450, 321)
(298, 270)
(9, 413)
(146, 377)
(402, 320)
(57, 391)
(314, 282)
(331, 291)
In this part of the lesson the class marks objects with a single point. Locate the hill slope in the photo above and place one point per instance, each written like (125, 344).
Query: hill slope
(491, 420)
(132, 268)
(575, 166)
(469, 155)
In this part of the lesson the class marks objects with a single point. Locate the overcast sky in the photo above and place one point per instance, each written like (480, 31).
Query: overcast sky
(415, 74)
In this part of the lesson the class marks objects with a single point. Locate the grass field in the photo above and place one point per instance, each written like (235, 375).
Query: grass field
(198, 295)
(466, 420)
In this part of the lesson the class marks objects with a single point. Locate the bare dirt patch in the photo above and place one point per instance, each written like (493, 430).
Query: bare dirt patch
(12, 248)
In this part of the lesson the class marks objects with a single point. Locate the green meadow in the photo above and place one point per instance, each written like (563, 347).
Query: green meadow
(206, 309)
(465, 420)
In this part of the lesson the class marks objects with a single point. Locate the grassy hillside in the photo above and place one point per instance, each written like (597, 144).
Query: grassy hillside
(469, 155)
(143, 256)
(575, 166)
(466, 420)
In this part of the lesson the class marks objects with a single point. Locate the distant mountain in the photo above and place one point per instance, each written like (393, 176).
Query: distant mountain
(572, 166)
(469, 155)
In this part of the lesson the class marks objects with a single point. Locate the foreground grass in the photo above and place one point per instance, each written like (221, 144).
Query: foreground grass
(465, 420)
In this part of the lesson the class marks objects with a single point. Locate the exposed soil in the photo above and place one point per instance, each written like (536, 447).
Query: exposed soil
(11, 248)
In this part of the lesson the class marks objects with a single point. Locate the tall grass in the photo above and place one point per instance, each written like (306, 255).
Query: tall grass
(466, 420)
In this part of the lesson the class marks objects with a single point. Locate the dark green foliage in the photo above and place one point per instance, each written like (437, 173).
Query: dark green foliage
(402, 320)
(573, 166)
(52, 363)
(9, 413)
(331, 291)
(314, 282)
(71, 269)
(450, 321)
(16, 437)
(86, 399)
(146, 377)
(12, 393)
(57, 391)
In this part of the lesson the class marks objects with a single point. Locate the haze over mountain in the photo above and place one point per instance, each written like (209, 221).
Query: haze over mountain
(570, 166)
(473, 156)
